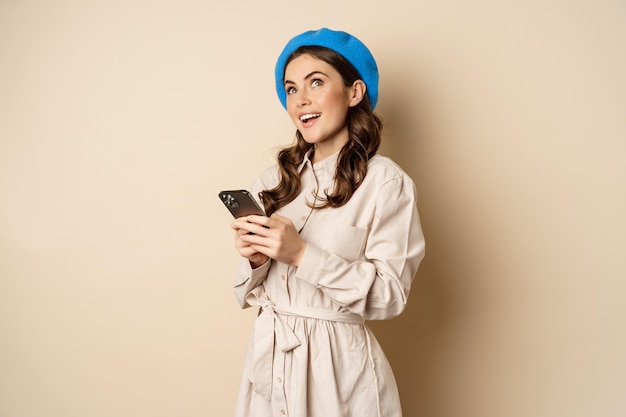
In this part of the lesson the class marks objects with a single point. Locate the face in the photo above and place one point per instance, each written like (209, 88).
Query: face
(318, 103)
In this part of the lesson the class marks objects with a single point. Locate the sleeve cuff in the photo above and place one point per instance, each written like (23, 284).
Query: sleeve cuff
(245, 272)
(312, 264)
(247, 279)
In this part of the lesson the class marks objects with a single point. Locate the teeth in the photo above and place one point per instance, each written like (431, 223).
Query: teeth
(309, 116)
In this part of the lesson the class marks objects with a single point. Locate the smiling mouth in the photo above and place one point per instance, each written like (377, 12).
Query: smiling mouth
(310, 116)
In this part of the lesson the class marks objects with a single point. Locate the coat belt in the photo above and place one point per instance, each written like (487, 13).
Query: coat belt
(271, 328)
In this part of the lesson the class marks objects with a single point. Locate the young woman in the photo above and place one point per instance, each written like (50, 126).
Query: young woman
(341, 244)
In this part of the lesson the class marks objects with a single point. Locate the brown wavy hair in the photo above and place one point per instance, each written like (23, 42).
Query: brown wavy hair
(364, 130)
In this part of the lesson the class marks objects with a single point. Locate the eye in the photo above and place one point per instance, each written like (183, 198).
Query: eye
(290, 90)
(316, 82)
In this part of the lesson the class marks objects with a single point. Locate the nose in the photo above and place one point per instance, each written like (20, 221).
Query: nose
(302, 99)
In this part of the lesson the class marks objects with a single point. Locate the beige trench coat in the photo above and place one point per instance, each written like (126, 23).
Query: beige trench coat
(311, 353)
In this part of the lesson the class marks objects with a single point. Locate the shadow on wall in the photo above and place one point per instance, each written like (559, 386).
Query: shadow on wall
(415, 342)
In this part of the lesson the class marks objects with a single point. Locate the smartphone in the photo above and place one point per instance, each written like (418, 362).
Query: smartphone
(240, 203)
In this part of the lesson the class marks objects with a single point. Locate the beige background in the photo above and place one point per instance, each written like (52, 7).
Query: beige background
(121, 120)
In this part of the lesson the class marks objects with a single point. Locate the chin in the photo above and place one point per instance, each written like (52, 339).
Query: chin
(310, 140)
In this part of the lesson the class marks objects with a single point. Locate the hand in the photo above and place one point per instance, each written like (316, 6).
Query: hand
(275, 237)
(255, 258)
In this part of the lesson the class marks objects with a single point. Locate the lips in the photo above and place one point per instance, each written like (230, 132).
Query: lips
(309, 118)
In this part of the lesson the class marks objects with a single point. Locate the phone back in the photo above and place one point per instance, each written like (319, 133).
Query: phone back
(240, 203)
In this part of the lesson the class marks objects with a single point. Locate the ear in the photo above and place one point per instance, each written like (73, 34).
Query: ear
(357, 92)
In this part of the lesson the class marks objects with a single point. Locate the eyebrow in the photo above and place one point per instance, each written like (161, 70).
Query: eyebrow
(309, 75)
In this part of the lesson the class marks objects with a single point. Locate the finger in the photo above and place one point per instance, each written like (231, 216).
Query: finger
(263, 250)
(240, 225)
(241, 232)
(260, 220)
(257, 239)
(258, 229)
(248, 252)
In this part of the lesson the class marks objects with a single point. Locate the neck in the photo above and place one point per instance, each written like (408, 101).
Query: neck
(325, 149)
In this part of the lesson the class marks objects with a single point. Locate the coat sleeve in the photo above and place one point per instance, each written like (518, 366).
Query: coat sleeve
(377, 285)
(246, 278)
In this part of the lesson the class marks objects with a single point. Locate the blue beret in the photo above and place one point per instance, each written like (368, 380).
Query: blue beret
(341, 42)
